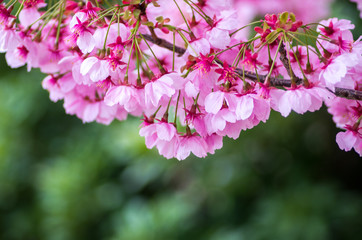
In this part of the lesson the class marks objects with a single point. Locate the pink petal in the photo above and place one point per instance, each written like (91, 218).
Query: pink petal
(90, 113)
(87, 65)
(346, 140)
(199, 46)
(227, 115)
(100, 72)
(284, 106)
(117, 95)
(168, 148)
(214, 101)
(28, 16)
(86, 42)
(214, 142)
(165, 131)
(66, 83)
(244, 108)
(218, 124)
(219, 38)
(13, 60)
(300, 101)
(198, 146)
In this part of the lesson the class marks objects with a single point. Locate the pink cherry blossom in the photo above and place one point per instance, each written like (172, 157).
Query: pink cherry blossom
(299, 100)
(199, 46)
(125, 96)
(333, 27)
(82, 37)
(29, 15)
(58, 87)
(96, 69)
(191, 144)
(8, 39)
(155, 90)
(350, 139)
(5, 15)
(214, 82)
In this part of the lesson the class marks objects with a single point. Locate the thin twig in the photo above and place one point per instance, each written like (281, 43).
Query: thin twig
(284, 59)
(164, 44)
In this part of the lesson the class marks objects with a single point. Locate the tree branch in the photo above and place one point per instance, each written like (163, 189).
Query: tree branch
(284, 59)
(276, 82)
(347, 93)
(164, 44)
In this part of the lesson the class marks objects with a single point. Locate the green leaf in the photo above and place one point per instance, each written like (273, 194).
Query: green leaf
(169, 27)
(292, 17)
(272, 36)
(127, 15)
(284, 17)
(149, 24)
(136, 13)
(159, 19)
(135, 1)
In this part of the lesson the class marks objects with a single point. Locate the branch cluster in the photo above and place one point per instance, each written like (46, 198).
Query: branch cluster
(276, 82)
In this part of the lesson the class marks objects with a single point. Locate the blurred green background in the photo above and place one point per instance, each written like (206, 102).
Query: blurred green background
(64, 180)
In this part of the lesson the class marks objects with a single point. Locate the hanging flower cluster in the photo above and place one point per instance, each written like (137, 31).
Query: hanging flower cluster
(185, 67)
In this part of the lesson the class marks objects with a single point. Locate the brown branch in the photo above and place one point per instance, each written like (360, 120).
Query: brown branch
(284, 59)
(276, 82)
(348, 93)
(164, 44)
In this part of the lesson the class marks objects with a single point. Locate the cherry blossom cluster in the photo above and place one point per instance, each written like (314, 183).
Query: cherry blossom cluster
(186, 67)
(343, 69)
